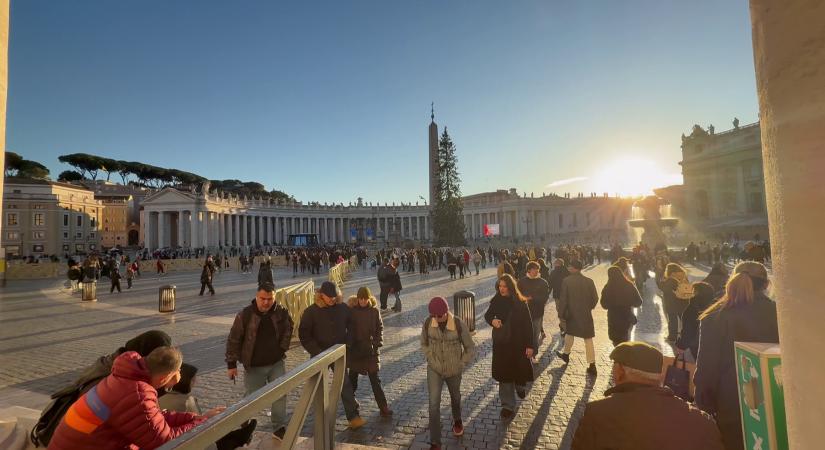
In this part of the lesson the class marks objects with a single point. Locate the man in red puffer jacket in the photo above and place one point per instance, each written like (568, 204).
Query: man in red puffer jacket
(122, 410)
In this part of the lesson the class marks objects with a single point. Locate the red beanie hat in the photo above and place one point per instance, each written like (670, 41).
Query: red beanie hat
(438, 306)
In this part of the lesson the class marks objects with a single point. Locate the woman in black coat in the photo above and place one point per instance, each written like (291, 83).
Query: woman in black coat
(743, 314)
(619, 297)
(513, 343)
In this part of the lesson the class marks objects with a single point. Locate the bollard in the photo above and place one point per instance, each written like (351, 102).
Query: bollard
(89, 291)
(166, 298)
(464, 307)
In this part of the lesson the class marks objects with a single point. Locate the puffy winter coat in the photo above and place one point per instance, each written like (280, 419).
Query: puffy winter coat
(447, 351)
(121, 411)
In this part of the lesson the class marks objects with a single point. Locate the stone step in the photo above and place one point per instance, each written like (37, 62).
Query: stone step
(264, 441)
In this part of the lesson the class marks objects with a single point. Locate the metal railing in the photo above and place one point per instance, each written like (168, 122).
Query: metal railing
(317, 393)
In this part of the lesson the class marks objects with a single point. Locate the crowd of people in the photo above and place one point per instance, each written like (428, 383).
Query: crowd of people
(704, 318)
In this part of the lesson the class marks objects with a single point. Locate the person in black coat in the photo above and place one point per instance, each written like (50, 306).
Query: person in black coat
(743, 314)
(619, 297)
(703, 296)
(325, 323)
(537, 292)
(557, 275)
(513, 343)
(206, 276)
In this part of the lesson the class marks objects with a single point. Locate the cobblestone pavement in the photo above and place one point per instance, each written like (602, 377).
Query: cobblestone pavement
(47, 336)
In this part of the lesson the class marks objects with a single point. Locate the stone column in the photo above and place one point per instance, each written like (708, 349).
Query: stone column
(205, 229)
(194, 238)
(162, 231)
(789, 55)
(148, 230)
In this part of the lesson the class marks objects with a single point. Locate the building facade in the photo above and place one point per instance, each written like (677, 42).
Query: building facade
(724, 184)
(209, 219)
(42, 218)
(120, 222)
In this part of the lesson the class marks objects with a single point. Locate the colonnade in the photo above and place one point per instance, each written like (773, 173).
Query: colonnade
(519, 222)
(190, 228)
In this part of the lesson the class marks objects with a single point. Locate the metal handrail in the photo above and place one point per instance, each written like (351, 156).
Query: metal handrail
(317, 392)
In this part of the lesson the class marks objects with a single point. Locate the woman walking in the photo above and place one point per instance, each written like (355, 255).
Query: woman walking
(619, 297)
(675, 279)
(743, 314)
(368, 336)
(513, 343)
(703, 296)
(265, 272)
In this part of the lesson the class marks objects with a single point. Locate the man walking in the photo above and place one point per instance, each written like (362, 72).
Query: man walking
(448, 349)
(325, 323)
(576, 303)
(536, 289)
(637, 398)
(390, 282)
(206, 275)
(259, 339)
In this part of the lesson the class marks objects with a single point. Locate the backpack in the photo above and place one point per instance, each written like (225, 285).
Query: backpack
(46, 425)
(429, 321)
(684, 290)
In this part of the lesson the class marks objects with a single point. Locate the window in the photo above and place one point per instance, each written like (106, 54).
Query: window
(78, 235)
(79, 220)
(65, 247)
(65, 220)
(78, 247)
(92, 222)
(39, 219)
(37, 207)
(11, 219)
(91, 235)
(12, 235)
(65, 235)
(37, 248)
(38, 235)
(561, 221)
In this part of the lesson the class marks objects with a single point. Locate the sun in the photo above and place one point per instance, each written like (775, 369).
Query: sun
(630, 177)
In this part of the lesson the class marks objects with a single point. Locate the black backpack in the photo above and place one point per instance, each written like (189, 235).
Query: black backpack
(43, 430)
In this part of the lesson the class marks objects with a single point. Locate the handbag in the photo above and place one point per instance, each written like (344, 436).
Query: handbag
(678, 379)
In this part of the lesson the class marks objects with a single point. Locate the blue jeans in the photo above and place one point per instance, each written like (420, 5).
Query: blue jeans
(435, 384)
(256, 378)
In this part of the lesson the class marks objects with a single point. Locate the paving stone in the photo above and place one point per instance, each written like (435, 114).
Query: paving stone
(47, 336)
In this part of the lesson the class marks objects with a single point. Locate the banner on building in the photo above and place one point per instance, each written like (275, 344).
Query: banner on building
(491, 229)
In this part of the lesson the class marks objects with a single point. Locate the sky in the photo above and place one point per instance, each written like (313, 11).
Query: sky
(330, 101)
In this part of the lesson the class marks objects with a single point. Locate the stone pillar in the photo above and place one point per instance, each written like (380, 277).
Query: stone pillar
(162, 231)
(789, 55)
(205, 233)
(180, 229)
(148, 230)
(194, 238)
(230, 231)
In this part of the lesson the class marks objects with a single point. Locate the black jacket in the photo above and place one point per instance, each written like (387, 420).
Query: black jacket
(619, 298)
(539, 292)
(323, 326)
(557, 275)
(715, 378)
(389, 279)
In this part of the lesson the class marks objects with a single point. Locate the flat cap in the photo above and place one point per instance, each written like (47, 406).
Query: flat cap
(639, 356)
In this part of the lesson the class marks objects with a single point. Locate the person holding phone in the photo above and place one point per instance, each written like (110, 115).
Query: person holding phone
(514, 343)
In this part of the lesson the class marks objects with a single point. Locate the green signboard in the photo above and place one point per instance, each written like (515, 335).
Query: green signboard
(761, 398)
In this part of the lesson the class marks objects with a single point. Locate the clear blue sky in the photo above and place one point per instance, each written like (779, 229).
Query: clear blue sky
(329, 101)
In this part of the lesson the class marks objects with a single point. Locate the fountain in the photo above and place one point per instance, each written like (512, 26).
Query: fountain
(651, 221)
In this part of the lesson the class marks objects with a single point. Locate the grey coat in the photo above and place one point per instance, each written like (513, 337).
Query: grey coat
(446, 352)
(576, 302)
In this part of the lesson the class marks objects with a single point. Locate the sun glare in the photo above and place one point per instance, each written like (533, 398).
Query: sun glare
(632, 177)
